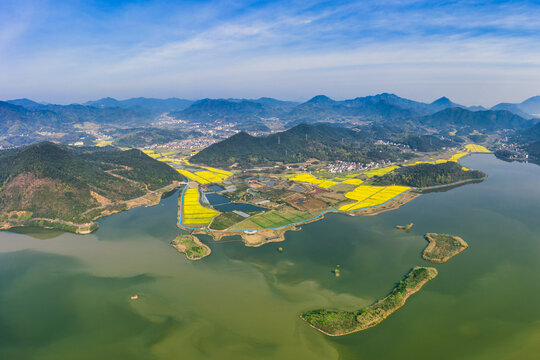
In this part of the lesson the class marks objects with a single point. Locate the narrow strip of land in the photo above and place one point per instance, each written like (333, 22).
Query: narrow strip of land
(338, 323)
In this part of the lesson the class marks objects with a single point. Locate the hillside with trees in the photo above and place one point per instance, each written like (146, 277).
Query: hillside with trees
(302, 142)
(424, 175)
(52, 181)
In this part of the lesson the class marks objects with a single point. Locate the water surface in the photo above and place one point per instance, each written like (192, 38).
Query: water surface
(65, 296)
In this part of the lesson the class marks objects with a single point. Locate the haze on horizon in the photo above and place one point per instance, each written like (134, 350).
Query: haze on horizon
(474, 52)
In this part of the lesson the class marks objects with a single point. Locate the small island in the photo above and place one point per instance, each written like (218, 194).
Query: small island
(442, 247)
(338, 323)
(191, 246)
(405, 227)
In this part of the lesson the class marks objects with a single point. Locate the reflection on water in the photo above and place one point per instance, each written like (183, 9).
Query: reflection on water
(37, 233)
(69, 297)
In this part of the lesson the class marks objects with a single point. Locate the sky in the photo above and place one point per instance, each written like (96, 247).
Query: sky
(474, 52)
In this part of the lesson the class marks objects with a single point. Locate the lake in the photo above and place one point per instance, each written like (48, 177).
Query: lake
(65, 296)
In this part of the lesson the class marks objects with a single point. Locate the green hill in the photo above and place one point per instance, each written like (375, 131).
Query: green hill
(49, 181)
(298, 144)
(424, 175)
(141, 137)
(488, 120)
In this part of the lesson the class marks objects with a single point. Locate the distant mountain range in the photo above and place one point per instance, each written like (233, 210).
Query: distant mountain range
(22, 119)
(316, 110)
(253, 114)
(460, 118)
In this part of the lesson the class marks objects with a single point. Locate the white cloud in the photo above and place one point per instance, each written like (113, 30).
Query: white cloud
(294, 52)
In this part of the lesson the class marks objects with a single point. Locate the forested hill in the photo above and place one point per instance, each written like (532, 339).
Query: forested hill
(297, 144)
(529, 139)
(51, 181)
(424, 175)
(489, 120)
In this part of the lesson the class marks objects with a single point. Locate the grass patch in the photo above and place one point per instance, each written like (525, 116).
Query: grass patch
(225, 220)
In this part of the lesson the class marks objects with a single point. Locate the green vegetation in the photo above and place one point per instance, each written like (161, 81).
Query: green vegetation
(424, 175)
(442, 247)
(298, 144)
(467, 121)
(336, 323)
(225, 220)
(57, 182)
(141, 137)
(277, 218)
(191, 246)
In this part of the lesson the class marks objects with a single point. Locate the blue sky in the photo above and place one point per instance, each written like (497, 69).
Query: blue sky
(475, 52)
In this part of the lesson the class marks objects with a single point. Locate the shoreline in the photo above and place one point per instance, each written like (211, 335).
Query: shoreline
(278, 234)
(391, 204)
(151, 198)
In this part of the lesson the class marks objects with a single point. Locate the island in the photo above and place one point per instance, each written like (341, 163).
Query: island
(191, 246)
(443, 247)
(338, 323)
(405, 227)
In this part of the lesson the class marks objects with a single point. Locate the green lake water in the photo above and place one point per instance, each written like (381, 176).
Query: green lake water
(64, 296)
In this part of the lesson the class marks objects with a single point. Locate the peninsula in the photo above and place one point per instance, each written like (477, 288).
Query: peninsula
(338, 323)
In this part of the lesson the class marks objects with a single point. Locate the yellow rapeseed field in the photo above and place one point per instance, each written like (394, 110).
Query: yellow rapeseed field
(368, 196)
(218, 171)
(211, 176)
(438, 161)
(193, 177)
(458, 156)
(206, 176)
(193, 212)
(308, 178)
(305, 177)
(381, 171)
(327, 183)
(476, 148)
